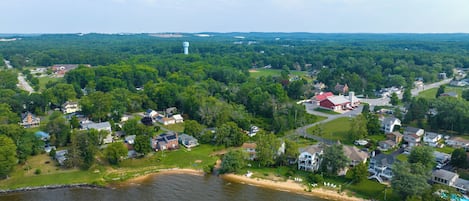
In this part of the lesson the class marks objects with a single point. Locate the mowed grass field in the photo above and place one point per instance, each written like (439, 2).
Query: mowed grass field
(101, 173)
(44, 80)
(336, 129)
(430, 93)
(274, 72)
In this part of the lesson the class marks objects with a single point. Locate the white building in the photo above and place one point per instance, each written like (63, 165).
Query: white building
(310, 158)
(70, 107)
(389, 123)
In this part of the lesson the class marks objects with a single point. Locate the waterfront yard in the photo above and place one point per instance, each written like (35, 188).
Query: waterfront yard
(336, 130)
(51, 174)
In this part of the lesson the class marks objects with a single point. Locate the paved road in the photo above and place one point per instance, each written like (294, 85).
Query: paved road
(310, 109)
(385, 100)
(22, 84)
(373, 102)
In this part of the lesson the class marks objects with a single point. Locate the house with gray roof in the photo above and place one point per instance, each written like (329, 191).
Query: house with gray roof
(188, 141)
(381, 167)
(451, 179)
(388, 124)
(106, 126)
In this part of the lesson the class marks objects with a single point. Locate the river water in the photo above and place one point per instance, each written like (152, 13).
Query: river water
(165, 187)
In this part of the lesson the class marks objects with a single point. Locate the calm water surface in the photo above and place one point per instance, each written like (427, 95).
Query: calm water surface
(165, 187)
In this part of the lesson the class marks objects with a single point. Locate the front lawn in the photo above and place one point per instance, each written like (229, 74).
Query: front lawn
(336, 129)
(431, 93)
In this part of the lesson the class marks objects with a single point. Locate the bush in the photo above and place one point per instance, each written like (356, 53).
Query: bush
(38, 171)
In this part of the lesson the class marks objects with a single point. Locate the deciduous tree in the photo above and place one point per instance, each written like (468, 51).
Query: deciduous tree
(115, 152)
(8, 158)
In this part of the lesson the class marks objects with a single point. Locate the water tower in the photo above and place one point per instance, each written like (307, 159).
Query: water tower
(185, 45)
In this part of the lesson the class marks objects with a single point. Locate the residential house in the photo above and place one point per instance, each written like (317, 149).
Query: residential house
(413, 136)
(355, 155)
(411, 130)
(188, 141)
(28, 120)
(388, 124)
(450, 94)
(250, 149)
(130, 139)
(165, 141)
(319, 86)
(335, 103)
(381, 167)
(396, 137)
(166, 120)
(418, 84)
(253, 131)
(442, 158)
(70, 107)
(341, 89)
(310, 158)
(178, 118)
(459, 83)
(432, 139)
(412, 139)
(458, 142)
(386, 145)
(321, 96)
(150, 113)
(442, 76)
(61, 156)
(451, 179)
(103, 126)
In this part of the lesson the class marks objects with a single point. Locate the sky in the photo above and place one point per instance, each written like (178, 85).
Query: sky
(155, 16)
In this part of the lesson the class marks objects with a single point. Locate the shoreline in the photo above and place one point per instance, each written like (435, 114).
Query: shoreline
(139, 179)
(286, 186)
(289, 186)
(50, 187)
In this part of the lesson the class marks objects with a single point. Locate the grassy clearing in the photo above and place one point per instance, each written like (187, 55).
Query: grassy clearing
(256, 73)
(402, 157)
(174, 127)
(445, 149)
(336, 130)
(325, 111)
(44, 80)
(24, 176)
(430, 93)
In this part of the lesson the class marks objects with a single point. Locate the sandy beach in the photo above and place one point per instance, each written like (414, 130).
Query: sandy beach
(140, 179)
(290, 186)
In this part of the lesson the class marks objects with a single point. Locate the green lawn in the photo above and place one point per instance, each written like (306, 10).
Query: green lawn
(23, 175)
(430, 93)
(402, 157)
(256, 73)
(44, 80)
(326, 111)
(336, 130)
(445, 149)
(174, 127)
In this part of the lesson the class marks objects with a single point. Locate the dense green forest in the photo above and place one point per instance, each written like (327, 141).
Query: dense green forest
(212, 85)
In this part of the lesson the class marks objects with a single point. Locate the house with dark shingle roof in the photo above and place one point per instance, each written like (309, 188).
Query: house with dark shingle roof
(381, 167)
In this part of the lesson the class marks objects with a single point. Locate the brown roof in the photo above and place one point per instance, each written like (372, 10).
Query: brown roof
(313, 149)
(354, 153)
(396, 133)
(248, 145)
